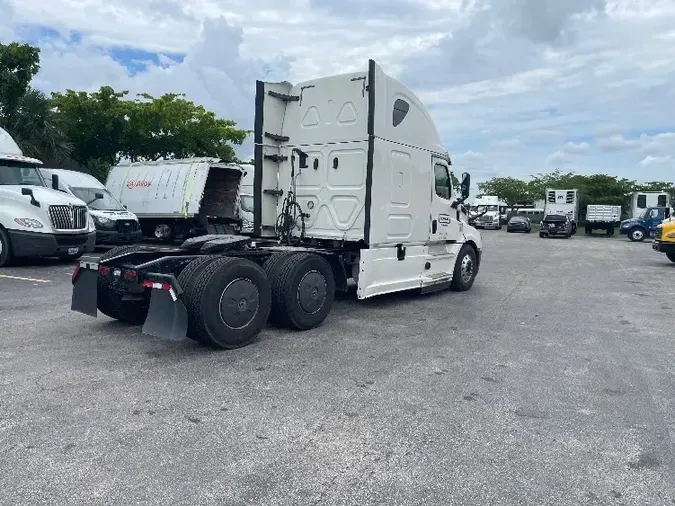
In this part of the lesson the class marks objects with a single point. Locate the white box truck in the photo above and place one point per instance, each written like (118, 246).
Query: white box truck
(184, 197)
(36, 220)
(565, 202)
(114, 224)
(642, 200)
(351, 185)
(599, 217)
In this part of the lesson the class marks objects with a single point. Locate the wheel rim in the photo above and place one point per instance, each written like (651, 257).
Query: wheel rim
(637, 234)
(467, 268)
(312, 291)
(239, 303)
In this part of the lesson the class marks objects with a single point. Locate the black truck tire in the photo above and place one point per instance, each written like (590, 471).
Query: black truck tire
(671, 256)
(303, 290)
(637, 234)
(110, 303)
(186, 280)
(466, 269)
(6, 256)
(241, 291)
(271, 267)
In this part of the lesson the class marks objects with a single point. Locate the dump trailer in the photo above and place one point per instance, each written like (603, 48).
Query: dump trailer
(351, 187)
(180, 198)
(599, 217)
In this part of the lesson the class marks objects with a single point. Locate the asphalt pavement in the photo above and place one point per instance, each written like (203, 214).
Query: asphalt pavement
(549, 383)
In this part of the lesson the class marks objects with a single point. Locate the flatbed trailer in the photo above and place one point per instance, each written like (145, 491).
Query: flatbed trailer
(319, 226)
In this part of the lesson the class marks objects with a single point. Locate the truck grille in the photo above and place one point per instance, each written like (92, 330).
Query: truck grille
(68, 217)
(659, 233)
(127, 225)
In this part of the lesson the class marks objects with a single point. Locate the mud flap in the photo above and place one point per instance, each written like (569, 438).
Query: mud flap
(167, 318)
(85, 292)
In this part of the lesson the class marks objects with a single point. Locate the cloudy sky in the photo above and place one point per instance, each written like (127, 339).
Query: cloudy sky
(516, 86)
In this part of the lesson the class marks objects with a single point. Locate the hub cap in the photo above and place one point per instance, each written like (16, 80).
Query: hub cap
(312, 292)
(467, 268)
(239, 303)
(637, 234)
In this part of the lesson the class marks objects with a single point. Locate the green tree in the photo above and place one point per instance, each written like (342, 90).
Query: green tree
(514, 192)
(33, 126)
(18, 64)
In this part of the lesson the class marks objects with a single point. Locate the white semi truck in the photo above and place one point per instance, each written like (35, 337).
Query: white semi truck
(179, 198)
(37, 220)
(486, 212)
(351, 183)
(563, 202)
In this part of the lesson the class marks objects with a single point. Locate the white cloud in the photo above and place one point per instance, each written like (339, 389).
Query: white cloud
(515, 86)
(650, 161)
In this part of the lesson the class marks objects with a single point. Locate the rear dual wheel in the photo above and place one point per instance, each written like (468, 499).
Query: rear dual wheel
(228, 301)
(303, 289)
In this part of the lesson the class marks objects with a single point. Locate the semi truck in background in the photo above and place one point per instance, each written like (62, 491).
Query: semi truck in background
(351, 185)
(37, 220)
(114, 223)
(563, 202)
(485, 212)
(246, 198)
(642, 200)
(180, 198)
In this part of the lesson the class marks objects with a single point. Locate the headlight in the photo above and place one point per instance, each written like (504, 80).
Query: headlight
(102, 220)
(28, 223)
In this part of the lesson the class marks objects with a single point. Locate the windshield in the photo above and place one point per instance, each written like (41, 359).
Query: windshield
(517, 218)
(555, 217)
(247, 203)
(643, 214)
(19, 174)
(107, 203)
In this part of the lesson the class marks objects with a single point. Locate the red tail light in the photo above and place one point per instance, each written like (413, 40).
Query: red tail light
(157, 286)
(129, 275)
(103, 270)
(76, 271)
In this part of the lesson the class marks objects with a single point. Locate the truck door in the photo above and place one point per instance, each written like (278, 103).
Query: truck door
(444, 224)
(655, 216)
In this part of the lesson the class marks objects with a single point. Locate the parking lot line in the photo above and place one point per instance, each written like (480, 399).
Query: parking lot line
(36, 280)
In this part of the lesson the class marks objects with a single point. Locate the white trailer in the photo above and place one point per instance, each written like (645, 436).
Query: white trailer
(114, 223)
(599, 217)
(185, 197)
(563, 202)
(351, 184)
(645, 199)
(36, 220)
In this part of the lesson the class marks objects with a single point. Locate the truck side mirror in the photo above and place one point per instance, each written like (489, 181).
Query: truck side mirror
(29, 191)
(55, 182)
(465, 185)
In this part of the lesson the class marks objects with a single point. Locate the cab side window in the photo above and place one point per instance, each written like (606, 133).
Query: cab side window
(442, 181)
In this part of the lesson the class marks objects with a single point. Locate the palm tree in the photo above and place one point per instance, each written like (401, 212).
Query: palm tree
(34, 127)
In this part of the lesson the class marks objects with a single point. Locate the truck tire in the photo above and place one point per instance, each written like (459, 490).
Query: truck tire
(271, 269)
(671, 256)
(574, 228)
(637, 234)
(186, 280)
(610, 231)
(303, 290)
(110, 303)
(466, 268)
(241, 291)
(541, 234)
(6, 256)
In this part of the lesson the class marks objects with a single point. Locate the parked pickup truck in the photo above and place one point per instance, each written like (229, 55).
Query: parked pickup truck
(644, 225)
(664, 239)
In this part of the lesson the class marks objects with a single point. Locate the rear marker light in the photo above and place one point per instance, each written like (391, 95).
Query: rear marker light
(130, 275)
(103, 271)
(76, 271)
(161, 286)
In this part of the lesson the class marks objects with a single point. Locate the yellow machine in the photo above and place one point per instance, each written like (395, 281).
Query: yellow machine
(664, 240)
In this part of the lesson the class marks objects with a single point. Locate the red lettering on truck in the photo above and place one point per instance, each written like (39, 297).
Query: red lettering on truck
(135, 183)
